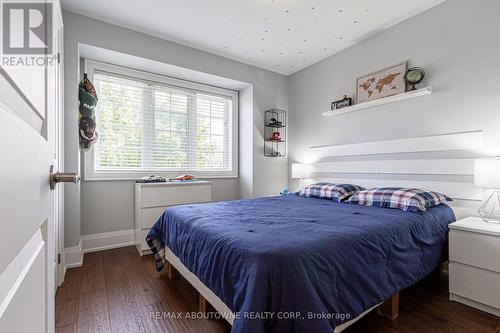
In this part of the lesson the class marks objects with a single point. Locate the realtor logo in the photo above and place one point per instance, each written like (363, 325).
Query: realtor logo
(27, 28)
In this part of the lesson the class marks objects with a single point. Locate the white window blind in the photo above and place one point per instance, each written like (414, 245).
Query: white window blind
(150, 127)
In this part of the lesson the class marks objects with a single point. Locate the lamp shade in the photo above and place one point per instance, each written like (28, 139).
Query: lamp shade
(487, 173)
(301, 170)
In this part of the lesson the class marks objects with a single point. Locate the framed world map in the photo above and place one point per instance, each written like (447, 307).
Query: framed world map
(381, 84)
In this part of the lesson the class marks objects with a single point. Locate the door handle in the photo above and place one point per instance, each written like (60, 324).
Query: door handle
(62, 177)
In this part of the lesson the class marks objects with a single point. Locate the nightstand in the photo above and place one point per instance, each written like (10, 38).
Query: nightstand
(475, 264)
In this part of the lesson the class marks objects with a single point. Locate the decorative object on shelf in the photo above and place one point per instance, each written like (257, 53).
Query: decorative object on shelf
(275, 123)
(87, 100)
(276, 136)
(151, 179)
(487, 175)
(414, 76)
(184, 178)
(345, 102)
(381, 84)
(275, 133)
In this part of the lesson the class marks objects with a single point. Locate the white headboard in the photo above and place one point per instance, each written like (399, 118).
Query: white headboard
(443, 163)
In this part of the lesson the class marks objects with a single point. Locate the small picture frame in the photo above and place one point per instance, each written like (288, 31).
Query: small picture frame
(343, 103)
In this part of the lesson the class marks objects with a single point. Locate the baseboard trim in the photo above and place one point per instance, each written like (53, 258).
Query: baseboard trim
(107, 240)
(73, 256)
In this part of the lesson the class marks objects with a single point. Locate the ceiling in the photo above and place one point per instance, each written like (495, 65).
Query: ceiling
(283, 36)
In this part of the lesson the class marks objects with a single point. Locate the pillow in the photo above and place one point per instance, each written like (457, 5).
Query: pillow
(407, 199)
(335, 192)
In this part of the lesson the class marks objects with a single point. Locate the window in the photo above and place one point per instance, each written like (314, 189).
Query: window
(153, 124)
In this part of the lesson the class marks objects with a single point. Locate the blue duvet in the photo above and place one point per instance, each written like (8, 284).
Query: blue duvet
(294, 264)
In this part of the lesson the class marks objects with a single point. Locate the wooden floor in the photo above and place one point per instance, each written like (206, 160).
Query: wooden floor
(119, 291)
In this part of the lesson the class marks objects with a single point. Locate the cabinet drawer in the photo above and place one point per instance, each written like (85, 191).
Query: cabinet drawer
(170, 195)
(475, 284)
(479, 250)
(149, 216)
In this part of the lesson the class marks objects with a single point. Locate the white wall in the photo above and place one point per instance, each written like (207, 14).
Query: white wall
(245, 144)
(107, 206)
(458, 44)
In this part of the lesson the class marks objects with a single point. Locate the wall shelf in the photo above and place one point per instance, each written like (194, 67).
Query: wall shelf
(382, 101)
(275, 133)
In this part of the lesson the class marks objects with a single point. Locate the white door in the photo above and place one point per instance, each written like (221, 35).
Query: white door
(28, 207)
(55, 133)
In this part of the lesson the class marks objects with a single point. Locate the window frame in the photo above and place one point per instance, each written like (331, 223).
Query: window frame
(89, 173)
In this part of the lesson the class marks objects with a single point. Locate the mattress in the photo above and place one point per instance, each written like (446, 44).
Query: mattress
(295, 264)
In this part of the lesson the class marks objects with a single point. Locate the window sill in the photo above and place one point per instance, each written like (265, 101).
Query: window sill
(119, 176)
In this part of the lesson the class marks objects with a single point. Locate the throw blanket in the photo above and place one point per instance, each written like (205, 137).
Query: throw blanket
(294, 264)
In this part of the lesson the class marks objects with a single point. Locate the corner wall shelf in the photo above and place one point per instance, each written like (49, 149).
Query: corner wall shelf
(275, 133)
(382, 101)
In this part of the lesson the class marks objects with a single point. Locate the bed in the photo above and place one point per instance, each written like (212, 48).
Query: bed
(297, 264)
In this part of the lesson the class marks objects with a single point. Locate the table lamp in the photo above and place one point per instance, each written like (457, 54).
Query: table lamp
(301, 171)
(487, 175)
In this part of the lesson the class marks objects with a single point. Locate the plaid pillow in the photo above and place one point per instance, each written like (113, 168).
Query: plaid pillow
(335, 192)
(407, 199)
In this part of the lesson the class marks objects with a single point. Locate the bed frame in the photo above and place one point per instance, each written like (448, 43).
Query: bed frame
(207, 299)
(443, 163)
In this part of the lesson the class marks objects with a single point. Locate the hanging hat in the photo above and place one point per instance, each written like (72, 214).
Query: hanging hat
(88, 103)
(87, 98)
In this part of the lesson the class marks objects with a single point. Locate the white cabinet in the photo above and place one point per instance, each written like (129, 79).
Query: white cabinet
(152, 199)
(475, 264)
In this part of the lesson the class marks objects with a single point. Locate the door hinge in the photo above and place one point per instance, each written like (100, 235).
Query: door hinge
(58, 258)
(58, 57)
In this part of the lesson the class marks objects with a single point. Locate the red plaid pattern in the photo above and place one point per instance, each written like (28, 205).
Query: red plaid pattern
(407, 199)
(335, 192)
